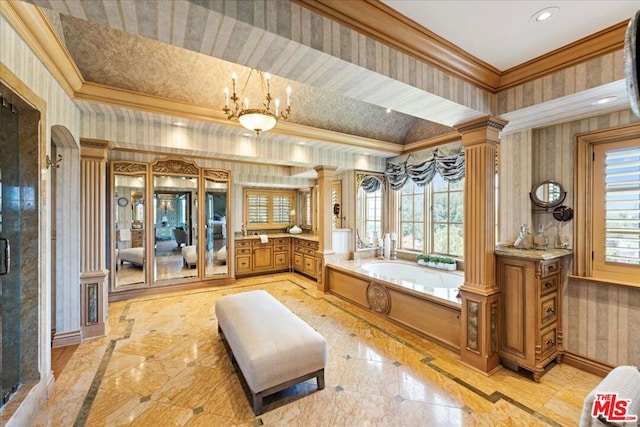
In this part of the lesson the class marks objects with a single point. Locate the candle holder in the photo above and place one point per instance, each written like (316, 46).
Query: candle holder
(393, 253)
(379, 252)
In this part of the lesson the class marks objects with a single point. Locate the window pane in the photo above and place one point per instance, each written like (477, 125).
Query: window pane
(440, 239)
(456, 240)
(438, 183)
(456, 205)
(418, 207)
(440, 207)
(622, 206)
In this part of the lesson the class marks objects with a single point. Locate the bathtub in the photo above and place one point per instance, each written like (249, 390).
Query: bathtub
(440, 284)
(419, 298)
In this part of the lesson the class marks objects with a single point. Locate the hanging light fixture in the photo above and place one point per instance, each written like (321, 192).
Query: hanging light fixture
(255, 119)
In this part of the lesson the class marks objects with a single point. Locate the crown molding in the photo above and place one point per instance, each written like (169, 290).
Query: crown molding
(598, 44)
(380, 22)
(36, 30)
(93, 92)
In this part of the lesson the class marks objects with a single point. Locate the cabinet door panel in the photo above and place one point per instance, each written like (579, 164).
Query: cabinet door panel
(263, 258)
(514, 309)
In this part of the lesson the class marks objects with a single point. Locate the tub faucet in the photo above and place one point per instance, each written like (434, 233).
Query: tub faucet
(380, 251)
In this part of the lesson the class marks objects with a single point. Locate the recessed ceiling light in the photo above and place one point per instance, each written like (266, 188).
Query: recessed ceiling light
(365, 154)
(388, 110)
(605, 100)
(545, 14)
(301, 143)
(179, 124)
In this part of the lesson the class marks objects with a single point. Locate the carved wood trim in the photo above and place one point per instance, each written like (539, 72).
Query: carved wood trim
(217, 174)
(129, 167)
(175, 167)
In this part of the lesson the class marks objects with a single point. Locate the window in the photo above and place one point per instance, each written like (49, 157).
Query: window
(447, 217)
(267, 209)
(607, 211)
(443, 227)
(412, 216)
(616, 208)
(373, 213)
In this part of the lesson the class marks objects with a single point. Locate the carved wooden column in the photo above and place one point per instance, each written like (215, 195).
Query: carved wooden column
(480, 293)
(325, 220)
(93, 223)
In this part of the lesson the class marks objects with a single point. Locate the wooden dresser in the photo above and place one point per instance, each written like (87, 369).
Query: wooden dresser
(531, 310)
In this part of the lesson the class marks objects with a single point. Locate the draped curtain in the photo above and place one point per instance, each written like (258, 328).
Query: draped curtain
(450, 167)
(370, 184)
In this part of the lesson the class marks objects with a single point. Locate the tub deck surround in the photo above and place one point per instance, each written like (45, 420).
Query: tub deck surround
(431, 311)
(446, 293)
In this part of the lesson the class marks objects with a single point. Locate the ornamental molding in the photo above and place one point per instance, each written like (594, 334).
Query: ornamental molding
(126, 167)
(175, 166)
(217, 174)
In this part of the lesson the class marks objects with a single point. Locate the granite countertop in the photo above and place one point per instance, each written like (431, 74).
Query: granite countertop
(534, 254)
(303, 236)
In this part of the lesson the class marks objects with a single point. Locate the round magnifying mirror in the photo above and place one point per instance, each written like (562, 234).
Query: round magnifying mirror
(547, 194)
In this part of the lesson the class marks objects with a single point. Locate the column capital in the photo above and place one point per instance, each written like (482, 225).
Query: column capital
(97, 149)
(482, 122)
(326, 169)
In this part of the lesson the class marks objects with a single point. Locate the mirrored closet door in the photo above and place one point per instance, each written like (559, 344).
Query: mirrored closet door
(170, 224)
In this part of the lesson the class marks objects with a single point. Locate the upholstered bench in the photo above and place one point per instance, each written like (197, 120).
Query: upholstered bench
(273, 347)
(190, 256)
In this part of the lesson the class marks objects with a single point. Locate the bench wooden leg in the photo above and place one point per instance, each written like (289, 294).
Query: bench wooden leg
(320, 379)
(257, 403)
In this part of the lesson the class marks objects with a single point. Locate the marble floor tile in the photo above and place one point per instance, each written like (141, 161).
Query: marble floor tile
(163, 363)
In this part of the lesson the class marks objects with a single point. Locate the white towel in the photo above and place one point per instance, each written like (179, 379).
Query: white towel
(624, 380)
(264, 238)
(125, 235)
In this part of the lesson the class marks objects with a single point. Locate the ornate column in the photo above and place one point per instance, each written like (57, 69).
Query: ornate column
(325, 218)
(480, 293)
(93, 224)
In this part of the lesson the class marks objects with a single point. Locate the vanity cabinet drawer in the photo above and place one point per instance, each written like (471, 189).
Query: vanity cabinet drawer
(280, 248)
(281, 259)
(243, 264)
(548, 284)
(281, 242)
(548, 342)
(550, 267)
(548, 310)
(243, 243)
(243, 251)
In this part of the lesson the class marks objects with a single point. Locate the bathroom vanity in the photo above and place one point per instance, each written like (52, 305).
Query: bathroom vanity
(530, 283)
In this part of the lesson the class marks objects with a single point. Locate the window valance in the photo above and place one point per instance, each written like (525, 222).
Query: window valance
(449, 166)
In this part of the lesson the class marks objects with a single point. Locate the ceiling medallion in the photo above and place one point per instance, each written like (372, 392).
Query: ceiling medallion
(255, 119)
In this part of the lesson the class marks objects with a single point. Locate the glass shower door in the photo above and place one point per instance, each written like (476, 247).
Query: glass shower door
(10, 277)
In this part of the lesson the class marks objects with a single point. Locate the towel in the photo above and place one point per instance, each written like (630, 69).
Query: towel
(624, 380)
(125, 235)
(264, 238)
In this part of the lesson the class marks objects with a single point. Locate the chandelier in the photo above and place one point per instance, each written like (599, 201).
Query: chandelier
(255, 119)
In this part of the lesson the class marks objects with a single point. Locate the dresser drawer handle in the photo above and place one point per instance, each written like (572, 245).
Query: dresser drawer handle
(550, 310)
(550, 342)
(548, 284)
(551, 267)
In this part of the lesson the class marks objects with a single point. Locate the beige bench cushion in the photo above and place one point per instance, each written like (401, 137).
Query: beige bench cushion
(270, 344)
